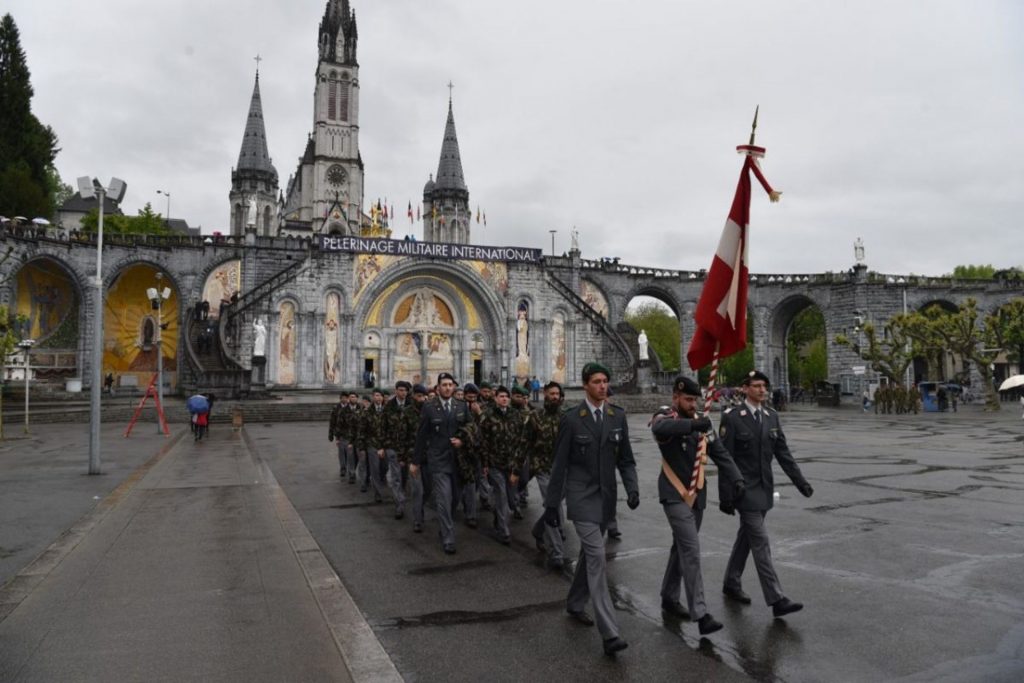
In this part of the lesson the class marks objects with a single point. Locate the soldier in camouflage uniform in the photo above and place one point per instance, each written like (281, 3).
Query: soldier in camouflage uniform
(419, 486)
(486, 395)
(470, 471)
(397, 442)
(540, 437)
(334, 432)
(519, 496)
(500, 431)
(373, 439)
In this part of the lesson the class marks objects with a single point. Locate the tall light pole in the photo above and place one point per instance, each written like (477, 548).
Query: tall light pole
(167, 219)
(552, 241)
(90, 187)
(26, 346)
(157, 295)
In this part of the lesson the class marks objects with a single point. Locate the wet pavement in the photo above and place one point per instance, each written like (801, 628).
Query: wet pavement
(909, 559)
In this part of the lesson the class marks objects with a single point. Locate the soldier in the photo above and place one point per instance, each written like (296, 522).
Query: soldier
(753, 436)
(900, 399)
(420, 486)
(396, 438)
(520, 495)
(541, 432)
(915, 398)
(680, 435)
(335, 432)
(500, 438)
(592, 441)
(373, 431)
(470, 471)
(441, 434)
(347, 426)
(486, 394)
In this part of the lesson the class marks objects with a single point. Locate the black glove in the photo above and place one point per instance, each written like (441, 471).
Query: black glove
(739, 490)
(727, 507)
(330, 437)
(700, 425)
(806, 489)
(551, 517)
(633, 501)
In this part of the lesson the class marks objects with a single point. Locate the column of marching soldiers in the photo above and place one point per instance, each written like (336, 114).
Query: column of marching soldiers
(478, 447)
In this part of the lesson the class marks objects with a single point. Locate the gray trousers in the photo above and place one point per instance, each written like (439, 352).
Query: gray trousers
(499, 500)
(368, 460)
(395, 479)
(591, 581)
(752, 538)
(444, 502)
(467, 494)
(342, 455)
(684, 558)
(551, 535)
(350, 461)
(483, 486)
(421, 486)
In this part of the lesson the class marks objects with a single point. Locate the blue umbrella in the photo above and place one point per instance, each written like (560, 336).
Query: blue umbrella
(198, 404)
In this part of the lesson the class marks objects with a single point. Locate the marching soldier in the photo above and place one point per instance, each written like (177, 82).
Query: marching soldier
(541, 432)
(420, 486)
(592, 441)
(680, 435)
(373, 432)
(335, 432)
(500, 438)
(470, 470)
(519, 495)
(396, 437)
(441, 433)
(753, 436)
(347, 427)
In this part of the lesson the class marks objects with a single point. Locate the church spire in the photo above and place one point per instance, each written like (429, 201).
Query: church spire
(449, 167)
(338, 33)
(254, 155)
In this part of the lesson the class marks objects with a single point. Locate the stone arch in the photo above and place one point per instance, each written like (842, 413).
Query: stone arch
(778, 325)
(944, 304)
(655, 291)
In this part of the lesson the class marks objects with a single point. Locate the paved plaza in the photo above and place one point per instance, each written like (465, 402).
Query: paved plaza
(247, 558)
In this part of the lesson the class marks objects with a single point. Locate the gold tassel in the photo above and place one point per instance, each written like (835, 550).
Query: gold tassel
(774, 196)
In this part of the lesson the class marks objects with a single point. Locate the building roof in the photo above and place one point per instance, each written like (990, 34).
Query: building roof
(180, 226)
(254, 155)
(78, 204)
(449, 168)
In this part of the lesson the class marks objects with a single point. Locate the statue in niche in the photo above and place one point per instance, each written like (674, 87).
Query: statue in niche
(259, 344)
(642, 342)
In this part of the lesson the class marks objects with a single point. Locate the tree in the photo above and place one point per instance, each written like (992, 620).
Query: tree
(662, 332)
(806, 352)
(889, 354)
(27, 147)
(974, 272)
(1009, 326)
(145, 223)
(10, 327)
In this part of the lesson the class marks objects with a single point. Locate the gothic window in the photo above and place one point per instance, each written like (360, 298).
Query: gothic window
(343, 102)
(332, 98)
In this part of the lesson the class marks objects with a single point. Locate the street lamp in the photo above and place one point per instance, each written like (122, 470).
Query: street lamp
(167, 219)
(26, 345)
(157, 297)
(88, 188)
(552, 241)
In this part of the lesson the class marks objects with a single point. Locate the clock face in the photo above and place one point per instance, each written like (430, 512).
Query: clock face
(336, 175)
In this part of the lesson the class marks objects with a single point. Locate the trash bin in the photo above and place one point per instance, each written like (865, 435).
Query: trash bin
(236, 419)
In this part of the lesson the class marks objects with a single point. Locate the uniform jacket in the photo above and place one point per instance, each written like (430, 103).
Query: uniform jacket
(435, 429)
(334, 430)
(396, 432)
(586, 457)
(541, 431)
(752, 447)
(373, 428)
(679, 446)
(500, 437)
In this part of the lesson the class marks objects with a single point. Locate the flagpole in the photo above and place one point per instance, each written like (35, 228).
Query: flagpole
(701, 459)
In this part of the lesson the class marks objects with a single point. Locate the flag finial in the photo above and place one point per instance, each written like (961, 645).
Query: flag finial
(753, 128)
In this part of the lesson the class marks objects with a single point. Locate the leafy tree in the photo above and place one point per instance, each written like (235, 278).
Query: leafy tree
(889, 354)
(145, 223)
(10, 327)
(27, 147)
(806, 352)
(662, 332)
(1009, 326)
(974, 272)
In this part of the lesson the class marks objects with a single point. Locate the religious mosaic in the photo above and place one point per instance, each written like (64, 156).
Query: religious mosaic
(368, 267)
(332, 339)
(222, 283)
(522, 359)
(494, 274)
(130, 326)
(46, 296)
(286, 344)
(558, 347)
(594, 297)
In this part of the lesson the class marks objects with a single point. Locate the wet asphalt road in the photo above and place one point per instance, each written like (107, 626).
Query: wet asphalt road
(909, 559)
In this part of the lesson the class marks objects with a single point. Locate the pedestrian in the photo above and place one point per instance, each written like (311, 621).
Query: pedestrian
(592, 441)
(541, 432)
(205, 310)
(499, 439)
(211, 398)
(865, 400)
(108, 383)
(441, 433)
(348, 427)
(535, 389)
(470, 469)
(681, 437)
(518, 495)
(753, 436)
(334, 431)
(419, 486)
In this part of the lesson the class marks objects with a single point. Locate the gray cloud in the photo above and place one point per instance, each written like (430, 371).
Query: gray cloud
(896, 122)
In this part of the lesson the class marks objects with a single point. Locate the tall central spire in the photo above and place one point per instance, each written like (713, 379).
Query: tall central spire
(449, 167)
(445, 197)
(254, 155)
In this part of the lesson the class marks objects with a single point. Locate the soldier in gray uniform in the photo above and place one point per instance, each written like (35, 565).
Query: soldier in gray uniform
(753, 436)
(442, 431)
(679, 433)
(592, 441)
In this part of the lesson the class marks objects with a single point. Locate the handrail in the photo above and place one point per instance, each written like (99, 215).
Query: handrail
(595, 317)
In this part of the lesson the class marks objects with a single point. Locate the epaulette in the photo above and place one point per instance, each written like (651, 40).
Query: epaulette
(726, 411)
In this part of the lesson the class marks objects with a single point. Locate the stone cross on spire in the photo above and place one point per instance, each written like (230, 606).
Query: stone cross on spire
(258, 59)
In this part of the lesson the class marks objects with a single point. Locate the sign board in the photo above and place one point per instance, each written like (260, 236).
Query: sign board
(442, 250)
(859, 369)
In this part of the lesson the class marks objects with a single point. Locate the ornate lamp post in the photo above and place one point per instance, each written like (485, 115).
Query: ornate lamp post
(26, 346)
(157, 297)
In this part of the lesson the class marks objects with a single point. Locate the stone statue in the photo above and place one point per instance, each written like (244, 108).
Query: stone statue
(251, 219)
(642, 341)
(259, 344)
(575, 234)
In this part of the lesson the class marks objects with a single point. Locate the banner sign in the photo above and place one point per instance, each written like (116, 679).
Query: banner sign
(443, 250)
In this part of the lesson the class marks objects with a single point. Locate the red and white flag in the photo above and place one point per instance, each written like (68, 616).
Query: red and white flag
(721, 314)
(409, 213)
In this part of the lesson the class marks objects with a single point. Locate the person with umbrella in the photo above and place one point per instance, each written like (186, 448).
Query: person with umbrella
(199, 408)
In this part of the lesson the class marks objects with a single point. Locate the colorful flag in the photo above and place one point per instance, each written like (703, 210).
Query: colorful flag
(478, 214)
(485, 218)
(410, 212)
(433, 212)
(721, 314)
(418, 217)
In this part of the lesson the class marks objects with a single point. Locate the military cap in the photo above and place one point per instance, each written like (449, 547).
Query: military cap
(520, 389)
(755, 375)
(446, 375)
(470, 388)
(685, 385)
(591, 369)
(419, 389)
(485, 385)
(378, 390)
(402, 384)
(502, 389)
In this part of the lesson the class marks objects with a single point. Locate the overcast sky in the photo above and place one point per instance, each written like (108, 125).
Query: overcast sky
(901, 122)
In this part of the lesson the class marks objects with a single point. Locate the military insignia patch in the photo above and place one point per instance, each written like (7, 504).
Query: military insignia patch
(721, 431)
(584, 412)
(610, 410)
(743, 413)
